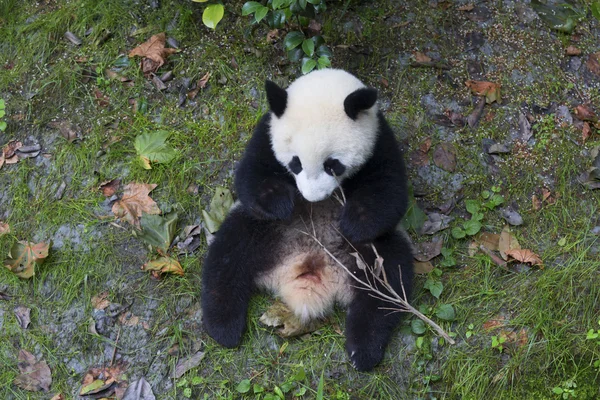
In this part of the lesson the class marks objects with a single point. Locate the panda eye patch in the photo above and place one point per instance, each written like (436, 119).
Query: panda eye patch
(333, 166)
(295, 165)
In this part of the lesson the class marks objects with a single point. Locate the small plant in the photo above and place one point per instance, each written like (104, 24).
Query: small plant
(498, 341)
(448, 260)
(594, 334)
(566, 390)
(433, 283)
(2, 114)
(213, 13)
(301, 44)
(101, 81)
(469, 332)
(293, 385)
(476, 207)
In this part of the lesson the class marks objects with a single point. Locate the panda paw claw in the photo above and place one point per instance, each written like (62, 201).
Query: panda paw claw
(275, 200)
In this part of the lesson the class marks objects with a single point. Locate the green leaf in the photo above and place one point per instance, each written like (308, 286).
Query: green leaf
(309, 47)
(151, 147)
(187, 392)
(250, 7)
(596, 10)
(293, 40)
(445, 312)
(315, 2)
(320, 388)
(472, 227)
(220, 205)
(213, 13)
(279, 392)
(414, 217)
(158, 231)
(276, 19)
(323, 62)
(458, 233)
(477, 216)
(318, 40)
(560, 16)
(472, 206)
(308, 64)
(434, 287)
(261, 13)
(299, 376)
(257, 388)
(2, 112)
(199, 1)
(295, 55)
(2, 104)
(418, 326)
(244, 386)
(557, 390)
(300, 392)
(323, 50)
(3, 126)
(302, 4)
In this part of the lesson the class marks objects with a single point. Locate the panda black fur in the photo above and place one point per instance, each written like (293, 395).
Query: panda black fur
(324, 129)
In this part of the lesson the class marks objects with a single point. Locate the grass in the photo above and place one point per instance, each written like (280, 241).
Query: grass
(42, 82)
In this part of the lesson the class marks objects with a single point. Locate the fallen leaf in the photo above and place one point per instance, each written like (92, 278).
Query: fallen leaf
(101, 98)
(418, 158)
(10, 148)
(4, 228)
(490, 241)
(572, 51)
(561, 17)
(135, 201)
(68, 130)
(23, 257)
(34, 375)
(23, 316)
(58, 396)
(139, 390)
(425, 251)
(186, 364)
(280, 316)
(201, 84)
(593, 63)
(129, 319)
(100, 301)
(153, 53)
(152, 147)
(525, 256)
(164, 265)
(444, 157)
(494, 323)
(158, 231)
(585, 112)
(109, 188)
(103, 382)
(421, 57)
(490, 90)
(475, 116)
(435, 223)
(466, 7)
(536, 203)
(420, 267)
(586, 132)
(507, 242)
(220, 205)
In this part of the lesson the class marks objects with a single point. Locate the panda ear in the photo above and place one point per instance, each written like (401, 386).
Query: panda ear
(359, 100)
(277, 98)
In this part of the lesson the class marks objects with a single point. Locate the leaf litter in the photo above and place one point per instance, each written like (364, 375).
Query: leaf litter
(35, 375)
(134, 202)
(24, 256)
(153, 53)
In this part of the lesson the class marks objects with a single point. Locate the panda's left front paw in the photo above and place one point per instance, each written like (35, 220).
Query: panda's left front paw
(364, 357)
(356, 223)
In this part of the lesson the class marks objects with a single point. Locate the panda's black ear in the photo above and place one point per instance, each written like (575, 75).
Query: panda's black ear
(359, 100)
(277, 98)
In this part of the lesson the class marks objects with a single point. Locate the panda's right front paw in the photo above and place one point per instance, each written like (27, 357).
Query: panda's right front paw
(227, 333)
(275, 200)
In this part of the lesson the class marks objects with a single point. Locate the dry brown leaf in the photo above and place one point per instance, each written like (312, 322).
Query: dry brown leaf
(35, 375)
(101, 98)
(525, 256)
(421, 267)
(4, 228)
(9, 150)
(466, 7)
(101, 381)
(489, 240)
(425, 251)
(425, 145)
(109, 188)
(536, 203)
(200, 85)
(585, 112)
(507, 242)
(100, 301)
(68, 130)
(58, 396)
(23, 315)
(134, 202)
(184, 365)
(164, 265)
(273, 35)
(23, 257)
(494, 323)
(444, 156)
(572, 51)
(418, 158)
(586, 131)
(2, 158)
(490, 90)
(593, 63)
(153, 53)
(421, 58)
(129, 319)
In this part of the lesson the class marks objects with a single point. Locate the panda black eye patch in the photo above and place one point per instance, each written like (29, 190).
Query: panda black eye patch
(295, 165)
(334, 166)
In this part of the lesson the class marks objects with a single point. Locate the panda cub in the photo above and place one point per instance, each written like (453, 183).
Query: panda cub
(321, 134)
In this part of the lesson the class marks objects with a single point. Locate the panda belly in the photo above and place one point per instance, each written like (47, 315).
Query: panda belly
(305, 277)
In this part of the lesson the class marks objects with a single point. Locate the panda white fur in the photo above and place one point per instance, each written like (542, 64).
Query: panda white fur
(321, 133)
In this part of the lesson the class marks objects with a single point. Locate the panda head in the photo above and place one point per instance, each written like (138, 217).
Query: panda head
(323, 129)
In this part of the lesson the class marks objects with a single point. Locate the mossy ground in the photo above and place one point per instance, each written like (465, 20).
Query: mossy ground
(41, 80)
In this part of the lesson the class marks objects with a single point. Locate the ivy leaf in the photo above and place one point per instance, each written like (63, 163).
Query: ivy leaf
(417, 326)
(213, 14)
(158, 231)
(309, 47)
(23, 257)
(250, 7)
(151, 147)
(472, 227)
(293, 40)
(296, 54)
(434, 287)
(458, 233)
(308, 64)
(472, 206)
(445, 312)
(243, 386)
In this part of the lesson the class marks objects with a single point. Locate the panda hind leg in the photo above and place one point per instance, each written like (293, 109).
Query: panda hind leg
(233, 261)
(370, 322)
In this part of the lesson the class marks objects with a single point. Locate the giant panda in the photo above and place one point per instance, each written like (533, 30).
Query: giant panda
(322, 140)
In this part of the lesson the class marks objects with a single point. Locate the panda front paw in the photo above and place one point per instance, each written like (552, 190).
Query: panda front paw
(364, 357)
(228, 333)
(357, 224)
(274, 200)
